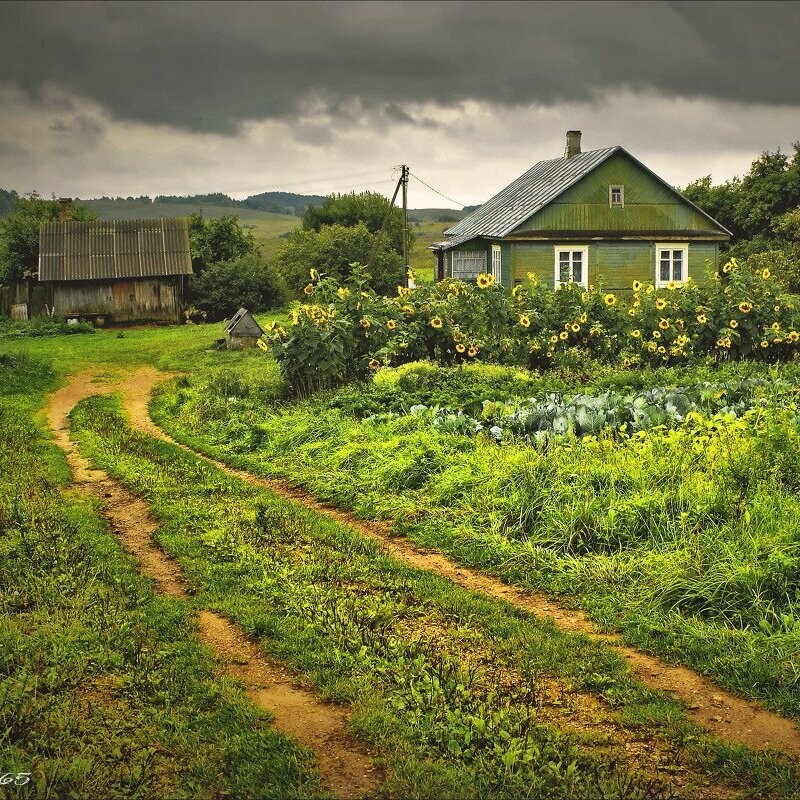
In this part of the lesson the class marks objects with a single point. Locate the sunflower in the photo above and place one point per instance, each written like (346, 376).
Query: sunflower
(610, 299)
(631, 312)
(662, 349)
(516, 291)
(533, 277)
(309, 289)
(663, 324)
(650, 289)
(726, 268)
(764, 343)
(626, 362)
(661, 304)
(793, 336)
(364, 322)
(485, 280)
(313, 274)
(656, 334)
(651, 347)
(777, 340)
(734, 323)
(554, 338)
(672, 285)
(765, 273)
(637, 285)
(636, 333)
(473, 351)
(776, 326)
(575, 327)
(460, 348)
(702, 319)
(391, 324)
(563, 335)
(374, 364)
(583, 318)
(525, 321)
(436, 322)
(343, 293)
(745, 307)
(407, 309)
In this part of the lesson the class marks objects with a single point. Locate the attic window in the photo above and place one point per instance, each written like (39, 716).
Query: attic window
(616, 195)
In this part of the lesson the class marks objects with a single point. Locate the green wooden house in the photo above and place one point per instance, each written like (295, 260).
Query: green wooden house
(595, 217)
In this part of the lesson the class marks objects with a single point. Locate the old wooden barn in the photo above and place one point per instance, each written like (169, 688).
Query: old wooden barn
(116, 270)
(590, 217)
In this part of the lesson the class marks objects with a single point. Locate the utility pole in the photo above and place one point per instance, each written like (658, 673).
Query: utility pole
(404, 183)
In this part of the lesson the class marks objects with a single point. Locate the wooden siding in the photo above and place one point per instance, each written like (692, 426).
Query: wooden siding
(650, 207)
(121, 300)
(614, 265)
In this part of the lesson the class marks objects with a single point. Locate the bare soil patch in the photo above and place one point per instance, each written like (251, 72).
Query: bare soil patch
(345, 767)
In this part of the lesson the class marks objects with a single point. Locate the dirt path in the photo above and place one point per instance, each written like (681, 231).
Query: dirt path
(346, 770)
(727, 716)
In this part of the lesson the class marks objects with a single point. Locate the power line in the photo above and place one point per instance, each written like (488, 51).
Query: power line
(436, 191)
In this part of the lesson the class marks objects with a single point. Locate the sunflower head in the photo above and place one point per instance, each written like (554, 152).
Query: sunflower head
(734, 323)
(764, 343)
(407, 309)
(765, 273)
(525, 321)
(391, 324)
(485, 280)
(637, 285)
(745, 307)
(460, 348)
(365, 323)
(661, 304)
(554, 338)
(610, 299)
(793, 336)
(473, 351)
(672, 285)
(656, 334)
(575, 327)
(636, 333)
(702, 319)
(309, 289)
(374, 364)
(663, 324)
(436, 322)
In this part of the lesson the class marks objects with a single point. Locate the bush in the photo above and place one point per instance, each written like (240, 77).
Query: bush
(222, 288)
(349, 330)
(41, 326)
(331, 251)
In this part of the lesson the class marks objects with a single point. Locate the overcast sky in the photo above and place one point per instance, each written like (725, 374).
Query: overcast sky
(176, 98)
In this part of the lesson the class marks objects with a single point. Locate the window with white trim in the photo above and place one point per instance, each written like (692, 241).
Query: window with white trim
(572, 266)
(497, 263)
(672, 263)
(616, 195)
(467, 264)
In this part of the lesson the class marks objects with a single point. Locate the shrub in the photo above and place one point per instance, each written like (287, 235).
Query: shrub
(222, 288)
(331, 251)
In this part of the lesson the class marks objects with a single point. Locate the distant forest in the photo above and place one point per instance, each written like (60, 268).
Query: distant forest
(277, 202)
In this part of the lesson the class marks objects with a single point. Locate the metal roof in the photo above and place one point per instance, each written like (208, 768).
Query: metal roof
(531, 192)
(102, 250)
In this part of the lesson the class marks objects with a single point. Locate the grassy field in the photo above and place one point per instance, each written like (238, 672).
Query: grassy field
(457, 695)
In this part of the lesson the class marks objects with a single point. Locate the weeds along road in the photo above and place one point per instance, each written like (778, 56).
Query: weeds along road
(345, 768)
(727, 715)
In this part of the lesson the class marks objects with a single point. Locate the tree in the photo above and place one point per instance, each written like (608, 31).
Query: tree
(220, 239)
(331, 251)
(223, 287)
(19, 233)
(351, 209)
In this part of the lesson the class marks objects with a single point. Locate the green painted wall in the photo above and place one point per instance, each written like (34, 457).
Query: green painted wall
(614, 264)
(649, 205)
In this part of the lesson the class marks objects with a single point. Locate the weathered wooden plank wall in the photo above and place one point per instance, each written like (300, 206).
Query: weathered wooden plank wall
(122, 300)
(36, 296)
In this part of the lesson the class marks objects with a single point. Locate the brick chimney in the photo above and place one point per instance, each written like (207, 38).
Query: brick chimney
(64, 209)
(573, 144)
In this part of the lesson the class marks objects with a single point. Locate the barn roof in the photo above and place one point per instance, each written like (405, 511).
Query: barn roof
(531, 192)
(138, 248)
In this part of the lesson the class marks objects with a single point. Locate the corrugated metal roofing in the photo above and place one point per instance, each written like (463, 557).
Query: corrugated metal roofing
(528, 194)
(137, 248)
(531, 192)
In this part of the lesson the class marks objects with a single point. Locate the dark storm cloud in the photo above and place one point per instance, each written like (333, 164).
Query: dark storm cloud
(210, 67)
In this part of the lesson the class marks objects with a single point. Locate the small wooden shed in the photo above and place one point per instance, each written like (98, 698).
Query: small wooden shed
(116, 270)
(243, 331)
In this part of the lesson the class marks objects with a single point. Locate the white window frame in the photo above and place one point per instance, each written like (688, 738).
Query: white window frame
(682, 246)
(497, 263)
(476, 259)
(621, 188)
(572, 248)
